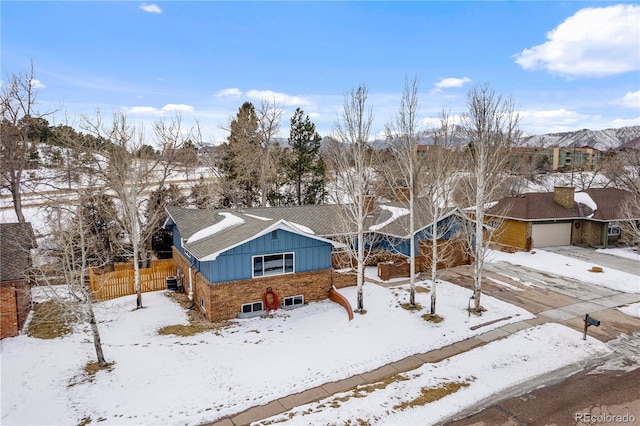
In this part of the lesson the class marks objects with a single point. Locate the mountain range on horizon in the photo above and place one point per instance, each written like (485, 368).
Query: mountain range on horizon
(602, 140)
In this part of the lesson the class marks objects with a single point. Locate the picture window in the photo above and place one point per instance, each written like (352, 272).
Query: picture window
(273, 264)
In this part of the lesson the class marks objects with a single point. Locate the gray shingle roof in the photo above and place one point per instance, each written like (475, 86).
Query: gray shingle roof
(324, 220)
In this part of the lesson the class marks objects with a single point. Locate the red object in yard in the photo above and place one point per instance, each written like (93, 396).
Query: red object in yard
(270, 300)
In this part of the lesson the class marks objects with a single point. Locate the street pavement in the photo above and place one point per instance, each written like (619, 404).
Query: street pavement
(551, 298)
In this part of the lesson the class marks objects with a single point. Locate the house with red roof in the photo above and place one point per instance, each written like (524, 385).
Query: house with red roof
(563, 217)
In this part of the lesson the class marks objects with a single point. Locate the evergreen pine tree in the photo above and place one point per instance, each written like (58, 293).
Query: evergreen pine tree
(304, 164)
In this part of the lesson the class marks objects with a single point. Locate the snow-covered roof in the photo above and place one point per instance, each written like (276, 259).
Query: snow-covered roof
(229, 221)
(584, 198)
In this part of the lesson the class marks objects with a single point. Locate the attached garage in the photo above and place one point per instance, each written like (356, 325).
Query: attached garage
(551, 234)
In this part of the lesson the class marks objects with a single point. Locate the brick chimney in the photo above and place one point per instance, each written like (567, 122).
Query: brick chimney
(563, 195)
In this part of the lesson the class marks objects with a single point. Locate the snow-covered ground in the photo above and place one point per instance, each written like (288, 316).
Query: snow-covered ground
(159, 379)
(626, 252)
(570, 267)
(481, 374)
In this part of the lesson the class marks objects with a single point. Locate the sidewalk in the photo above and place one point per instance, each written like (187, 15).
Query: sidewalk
(547, 305)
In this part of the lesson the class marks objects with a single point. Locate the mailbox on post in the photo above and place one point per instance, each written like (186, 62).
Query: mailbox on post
(589, 321)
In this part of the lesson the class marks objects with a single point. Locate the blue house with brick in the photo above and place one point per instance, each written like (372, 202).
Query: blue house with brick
(233, 263)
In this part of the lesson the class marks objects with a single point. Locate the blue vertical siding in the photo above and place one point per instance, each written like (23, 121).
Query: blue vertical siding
(237, 264)
(177, 238)
(401, 246)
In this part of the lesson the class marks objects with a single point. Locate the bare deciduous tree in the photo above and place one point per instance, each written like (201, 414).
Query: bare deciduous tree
(439, 166)
(491, 126)
(269, 118)
(19, 117)
(623, 169)
(402, 138)
(133, 170)
(63, 271)
(351, 163)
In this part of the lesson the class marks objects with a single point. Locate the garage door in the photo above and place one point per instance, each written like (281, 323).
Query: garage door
(551, 234)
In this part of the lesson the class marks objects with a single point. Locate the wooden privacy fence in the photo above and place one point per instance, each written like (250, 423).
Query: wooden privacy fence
(120, 282)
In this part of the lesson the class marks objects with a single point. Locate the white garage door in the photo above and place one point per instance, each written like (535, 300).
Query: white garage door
(551, 234)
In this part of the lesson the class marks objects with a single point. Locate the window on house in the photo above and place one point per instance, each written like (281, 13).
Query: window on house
(614, 228)
(274, 235)
(273, 264)
(203, 303)
(248, 308)
(293, 301)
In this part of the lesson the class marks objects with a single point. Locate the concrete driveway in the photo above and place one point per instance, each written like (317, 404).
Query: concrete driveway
(608, 386)
(598, 259)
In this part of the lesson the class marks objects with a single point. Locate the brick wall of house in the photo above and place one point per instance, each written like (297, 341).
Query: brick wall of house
(226, 299)
(8, 310)
(223, 301)
(589, 233)
(182, 264)
(452, 252)
(344, 279)
(23, 302)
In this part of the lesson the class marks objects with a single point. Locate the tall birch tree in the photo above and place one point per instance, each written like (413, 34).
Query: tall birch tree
(352, 163)
(438, 167)
(402, 137)
(131, 169)
(70, 247)
(491, 126)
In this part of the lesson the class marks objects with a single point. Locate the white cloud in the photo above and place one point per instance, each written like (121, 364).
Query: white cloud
(594, 42)
(144, 110)
(233, 92)
(147, 110)
(278, 97)
(177, 107)
(37, 84)
(625, 122)
(630, 100)
(151, 8)
(554, 120)
(446, 83)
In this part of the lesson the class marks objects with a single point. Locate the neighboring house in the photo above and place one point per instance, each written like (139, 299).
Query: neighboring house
(562, 217)
(228, 259)
(16, 241)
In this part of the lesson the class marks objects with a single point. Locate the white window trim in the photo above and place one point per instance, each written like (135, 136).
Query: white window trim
(251, 304)
(293, 305)
(611, 226)
(272, 254)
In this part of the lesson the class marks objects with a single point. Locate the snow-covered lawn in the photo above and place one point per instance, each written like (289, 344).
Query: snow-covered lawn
(159, 379)
(189, 380)
(632, 310)
(570, 267)
(472, 377)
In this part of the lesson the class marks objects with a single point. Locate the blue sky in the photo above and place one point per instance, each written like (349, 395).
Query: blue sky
(567, 65)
